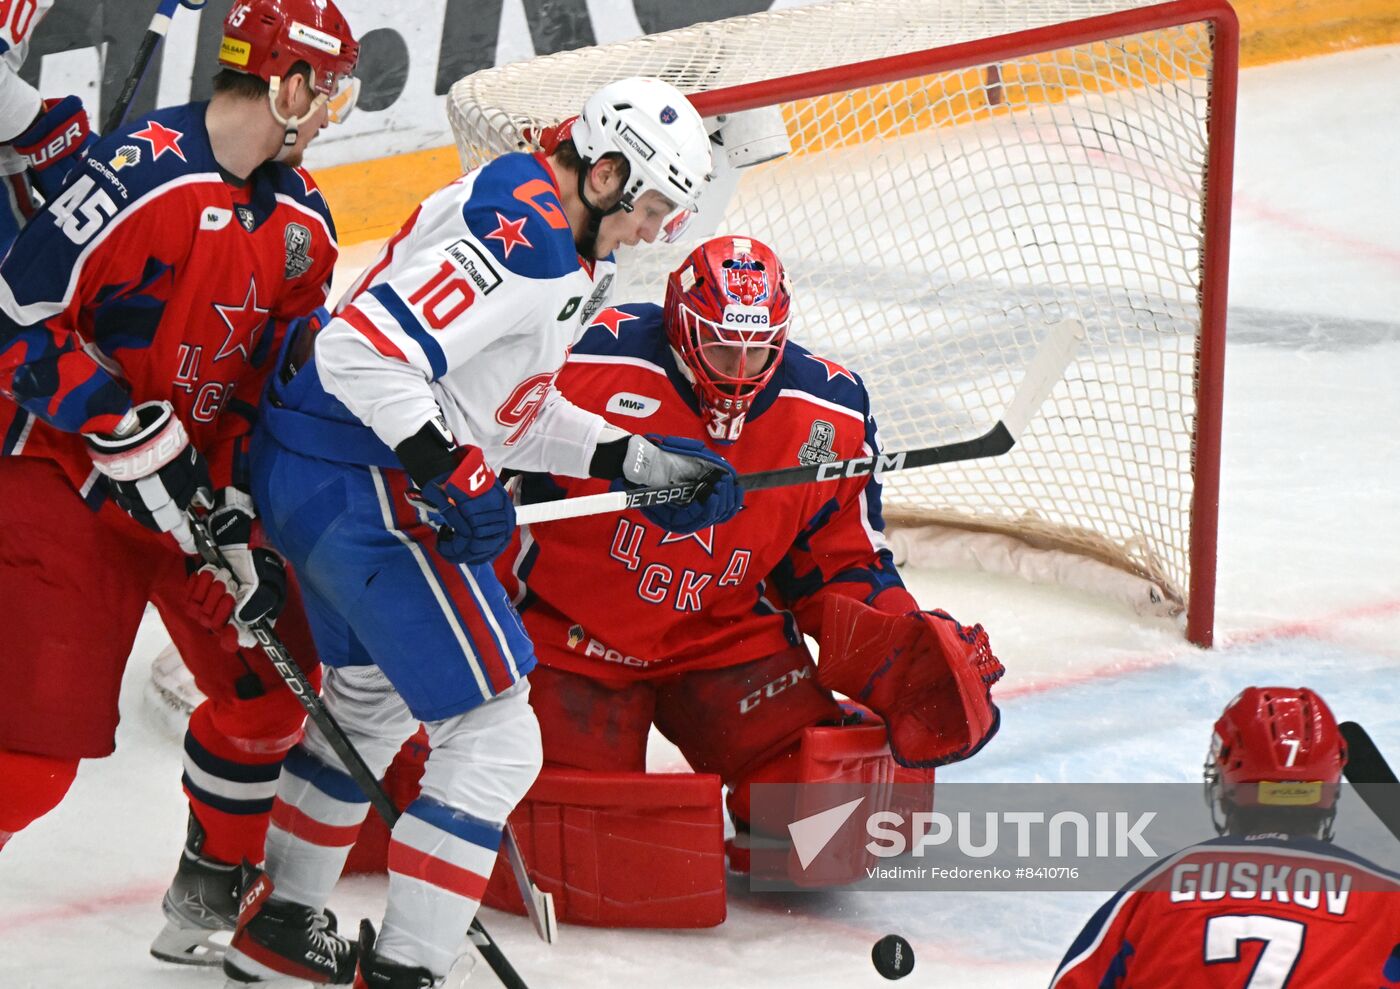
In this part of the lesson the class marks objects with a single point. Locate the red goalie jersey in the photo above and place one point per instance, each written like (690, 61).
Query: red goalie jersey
(728, 594)
(1245, 913)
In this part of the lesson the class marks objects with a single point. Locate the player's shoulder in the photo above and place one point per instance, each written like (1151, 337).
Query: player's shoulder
(805, 376)
(156, 153)
(513, 210)
(296, 188)
(633, 330)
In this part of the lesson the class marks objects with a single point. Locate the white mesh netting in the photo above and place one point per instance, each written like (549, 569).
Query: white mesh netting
(934, 226)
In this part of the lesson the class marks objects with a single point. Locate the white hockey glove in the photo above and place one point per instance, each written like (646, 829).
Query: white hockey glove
(151, 470)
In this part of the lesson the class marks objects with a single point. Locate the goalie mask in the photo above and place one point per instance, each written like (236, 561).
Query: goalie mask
(727, 313)
(1275, 749)
(266, 38)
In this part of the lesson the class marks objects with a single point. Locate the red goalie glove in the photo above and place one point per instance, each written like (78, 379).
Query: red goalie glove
(927, 676)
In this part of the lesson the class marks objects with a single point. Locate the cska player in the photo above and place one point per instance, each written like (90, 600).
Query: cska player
(701, 634)
(1272, 903)
(139, 315)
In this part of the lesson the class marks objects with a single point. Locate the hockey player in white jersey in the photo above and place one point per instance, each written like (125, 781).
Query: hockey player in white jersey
(374, 473)
(40, 140)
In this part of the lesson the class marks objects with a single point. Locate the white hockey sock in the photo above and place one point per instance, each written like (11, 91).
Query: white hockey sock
(440, 860)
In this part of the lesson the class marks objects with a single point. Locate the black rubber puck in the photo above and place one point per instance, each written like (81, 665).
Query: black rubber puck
(893, 957)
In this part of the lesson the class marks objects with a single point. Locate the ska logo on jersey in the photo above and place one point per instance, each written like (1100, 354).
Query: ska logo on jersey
(161, 139)
(596, 300)
(817, 450)
(298, 243)
(127, 154)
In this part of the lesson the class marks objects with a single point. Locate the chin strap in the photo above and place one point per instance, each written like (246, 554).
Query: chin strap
(587, 244)
(290, 124)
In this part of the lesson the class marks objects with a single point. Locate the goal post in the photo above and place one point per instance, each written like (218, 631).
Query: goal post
(963, 175)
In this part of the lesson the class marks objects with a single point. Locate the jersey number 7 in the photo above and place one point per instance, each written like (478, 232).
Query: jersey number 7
(1283, 943)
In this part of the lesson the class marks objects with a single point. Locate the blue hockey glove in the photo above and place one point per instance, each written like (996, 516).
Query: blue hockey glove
(55, 143)
(474, 514)
(657, 460)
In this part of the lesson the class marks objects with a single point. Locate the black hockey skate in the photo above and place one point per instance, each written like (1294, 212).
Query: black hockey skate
(200, 907)
(277, 939)
(377, 973)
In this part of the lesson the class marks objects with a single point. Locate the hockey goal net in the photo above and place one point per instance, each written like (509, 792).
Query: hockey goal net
(963, 175)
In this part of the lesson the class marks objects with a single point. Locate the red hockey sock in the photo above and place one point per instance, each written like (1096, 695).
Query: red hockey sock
(230, 787)
(30, 787)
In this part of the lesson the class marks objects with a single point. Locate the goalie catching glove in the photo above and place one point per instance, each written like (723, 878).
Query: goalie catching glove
(927, 676)
(230, 601)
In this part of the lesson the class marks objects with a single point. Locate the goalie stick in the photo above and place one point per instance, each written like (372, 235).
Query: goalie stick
(315, 708)
(1046, 369)
(160, 23)
(1368, 772)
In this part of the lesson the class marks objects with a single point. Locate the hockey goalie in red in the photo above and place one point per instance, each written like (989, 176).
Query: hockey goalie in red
(702, 634)
(140, 313)
(1271, 904)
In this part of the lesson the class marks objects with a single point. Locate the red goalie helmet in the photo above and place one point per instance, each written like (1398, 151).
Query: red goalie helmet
(727, 312)
(1275, 748)
(266, 38)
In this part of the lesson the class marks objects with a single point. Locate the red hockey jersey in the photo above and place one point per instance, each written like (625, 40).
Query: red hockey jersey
(1256, 913)
(631, 600)
(151, 276)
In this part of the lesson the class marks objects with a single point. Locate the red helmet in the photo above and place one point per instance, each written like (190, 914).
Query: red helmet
(727, 311)
(1275, 748)
(266, 38)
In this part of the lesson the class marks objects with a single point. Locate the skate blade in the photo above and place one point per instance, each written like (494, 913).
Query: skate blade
(186, 946)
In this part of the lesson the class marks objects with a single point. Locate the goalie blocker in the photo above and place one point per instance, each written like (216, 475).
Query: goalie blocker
(634, 849)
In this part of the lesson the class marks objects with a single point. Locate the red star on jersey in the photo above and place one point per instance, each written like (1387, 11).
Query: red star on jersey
(705, 537)
(242, 320)
(833, 370)
(161, 139)
(510, 233)
(611, 319)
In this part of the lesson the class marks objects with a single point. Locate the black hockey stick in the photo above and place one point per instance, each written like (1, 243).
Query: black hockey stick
(1371, 776)
(160, 23)
(1046, 369)
(316, 709)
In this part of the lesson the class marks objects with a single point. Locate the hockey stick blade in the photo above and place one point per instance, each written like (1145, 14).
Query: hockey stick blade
(538, 904)
(1371, 776)
(1046, 370)
(355, 766)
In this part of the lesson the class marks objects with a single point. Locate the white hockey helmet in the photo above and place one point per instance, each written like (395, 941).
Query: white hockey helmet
(655, 128)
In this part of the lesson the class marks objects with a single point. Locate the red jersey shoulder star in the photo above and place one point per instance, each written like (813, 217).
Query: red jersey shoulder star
(511, 233)
(161, 140)
(611, 319)
(705, 537)
(833, 370)
(242, 320)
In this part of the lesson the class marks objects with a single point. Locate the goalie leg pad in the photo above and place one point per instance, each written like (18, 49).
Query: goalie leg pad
(584, 724)
(733, 720)
(621, 849)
